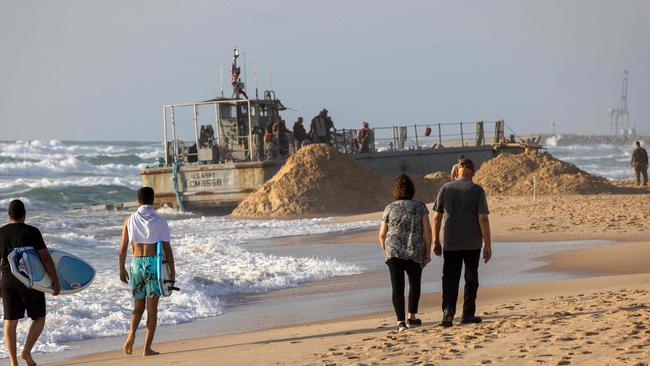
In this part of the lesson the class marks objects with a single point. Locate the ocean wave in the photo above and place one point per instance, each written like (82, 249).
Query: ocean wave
(232, 269)
(212, 264)
(22, 183)
(74, 196)
(605, 160)
(71, 239)
(611, 157)
(58, 150)
(67, 166)
(6, 201)
(124, 159)
(214, 245)
(105, 311)
(613, 173)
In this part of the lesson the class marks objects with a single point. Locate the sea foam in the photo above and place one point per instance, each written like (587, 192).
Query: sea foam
(212, 264)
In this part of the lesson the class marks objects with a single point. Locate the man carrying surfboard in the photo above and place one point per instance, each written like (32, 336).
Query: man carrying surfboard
(16, 297)
(144, 229)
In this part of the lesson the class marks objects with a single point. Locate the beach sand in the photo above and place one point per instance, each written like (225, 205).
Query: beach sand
(601, 319)
(553, 218)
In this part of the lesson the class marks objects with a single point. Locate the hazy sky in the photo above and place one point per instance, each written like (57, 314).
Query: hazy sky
(101, 70)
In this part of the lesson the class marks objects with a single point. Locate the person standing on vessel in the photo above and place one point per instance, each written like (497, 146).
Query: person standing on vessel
(329, 126)
(299, 132)
(144, 229)
(318, 128)
(639, 162)
(364, 137)
(405, 238)
(454, 169)
(464, 207)
(16, 297)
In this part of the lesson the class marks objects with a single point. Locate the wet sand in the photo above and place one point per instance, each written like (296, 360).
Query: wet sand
(582, 321)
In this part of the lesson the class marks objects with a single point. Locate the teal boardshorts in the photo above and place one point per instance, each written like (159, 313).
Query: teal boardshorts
(144, 278)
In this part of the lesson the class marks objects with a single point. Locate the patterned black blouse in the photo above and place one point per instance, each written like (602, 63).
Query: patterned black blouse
(405, 236)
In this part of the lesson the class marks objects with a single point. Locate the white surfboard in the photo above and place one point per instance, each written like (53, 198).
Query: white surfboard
(74, 273)
(165, 282)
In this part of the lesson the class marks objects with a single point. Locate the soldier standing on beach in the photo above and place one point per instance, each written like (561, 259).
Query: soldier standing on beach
(464, 207)
(639, 163)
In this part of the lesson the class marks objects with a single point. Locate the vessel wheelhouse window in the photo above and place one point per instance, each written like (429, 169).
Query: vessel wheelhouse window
(228, 111)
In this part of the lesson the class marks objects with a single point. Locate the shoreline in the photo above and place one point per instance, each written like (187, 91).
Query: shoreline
(296, 345)
(615, 274)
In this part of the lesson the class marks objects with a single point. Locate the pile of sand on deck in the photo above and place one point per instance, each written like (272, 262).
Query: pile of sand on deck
(320, 180)
(316, 179)
(513, 174)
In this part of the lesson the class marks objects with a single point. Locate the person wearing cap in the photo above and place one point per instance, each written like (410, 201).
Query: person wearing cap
(463, 206)
(639, 162)
(454, 169)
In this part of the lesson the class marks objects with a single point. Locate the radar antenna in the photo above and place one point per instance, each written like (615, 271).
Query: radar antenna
(235, 81)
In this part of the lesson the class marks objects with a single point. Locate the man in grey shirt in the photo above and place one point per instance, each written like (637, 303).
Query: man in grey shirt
(463, 205)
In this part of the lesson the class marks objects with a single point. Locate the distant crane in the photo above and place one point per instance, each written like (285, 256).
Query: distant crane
(620, 117)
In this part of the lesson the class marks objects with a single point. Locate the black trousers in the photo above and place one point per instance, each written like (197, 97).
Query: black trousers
(640, 170)
(413, 269)
(453, 265)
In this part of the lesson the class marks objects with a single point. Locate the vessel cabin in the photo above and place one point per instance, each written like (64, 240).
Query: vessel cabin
(225, 129)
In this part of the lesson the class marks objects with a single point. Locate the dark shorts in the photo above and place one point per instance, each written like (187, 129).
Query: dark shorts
(17, 298)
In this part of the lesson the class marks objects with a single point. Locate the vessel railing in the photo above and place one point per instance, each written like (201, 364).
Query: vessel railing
(382, 138)
(415, 136)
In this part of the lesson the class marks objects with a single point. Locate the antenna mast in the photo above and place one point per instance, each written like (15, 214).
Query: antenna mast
(255, 79)
(268, 55)
(221, 78)
(235, 81)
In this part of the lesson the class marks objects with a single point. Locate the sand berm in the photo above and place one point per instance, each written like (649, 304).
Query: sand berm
(318, 180)
(516, 174)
